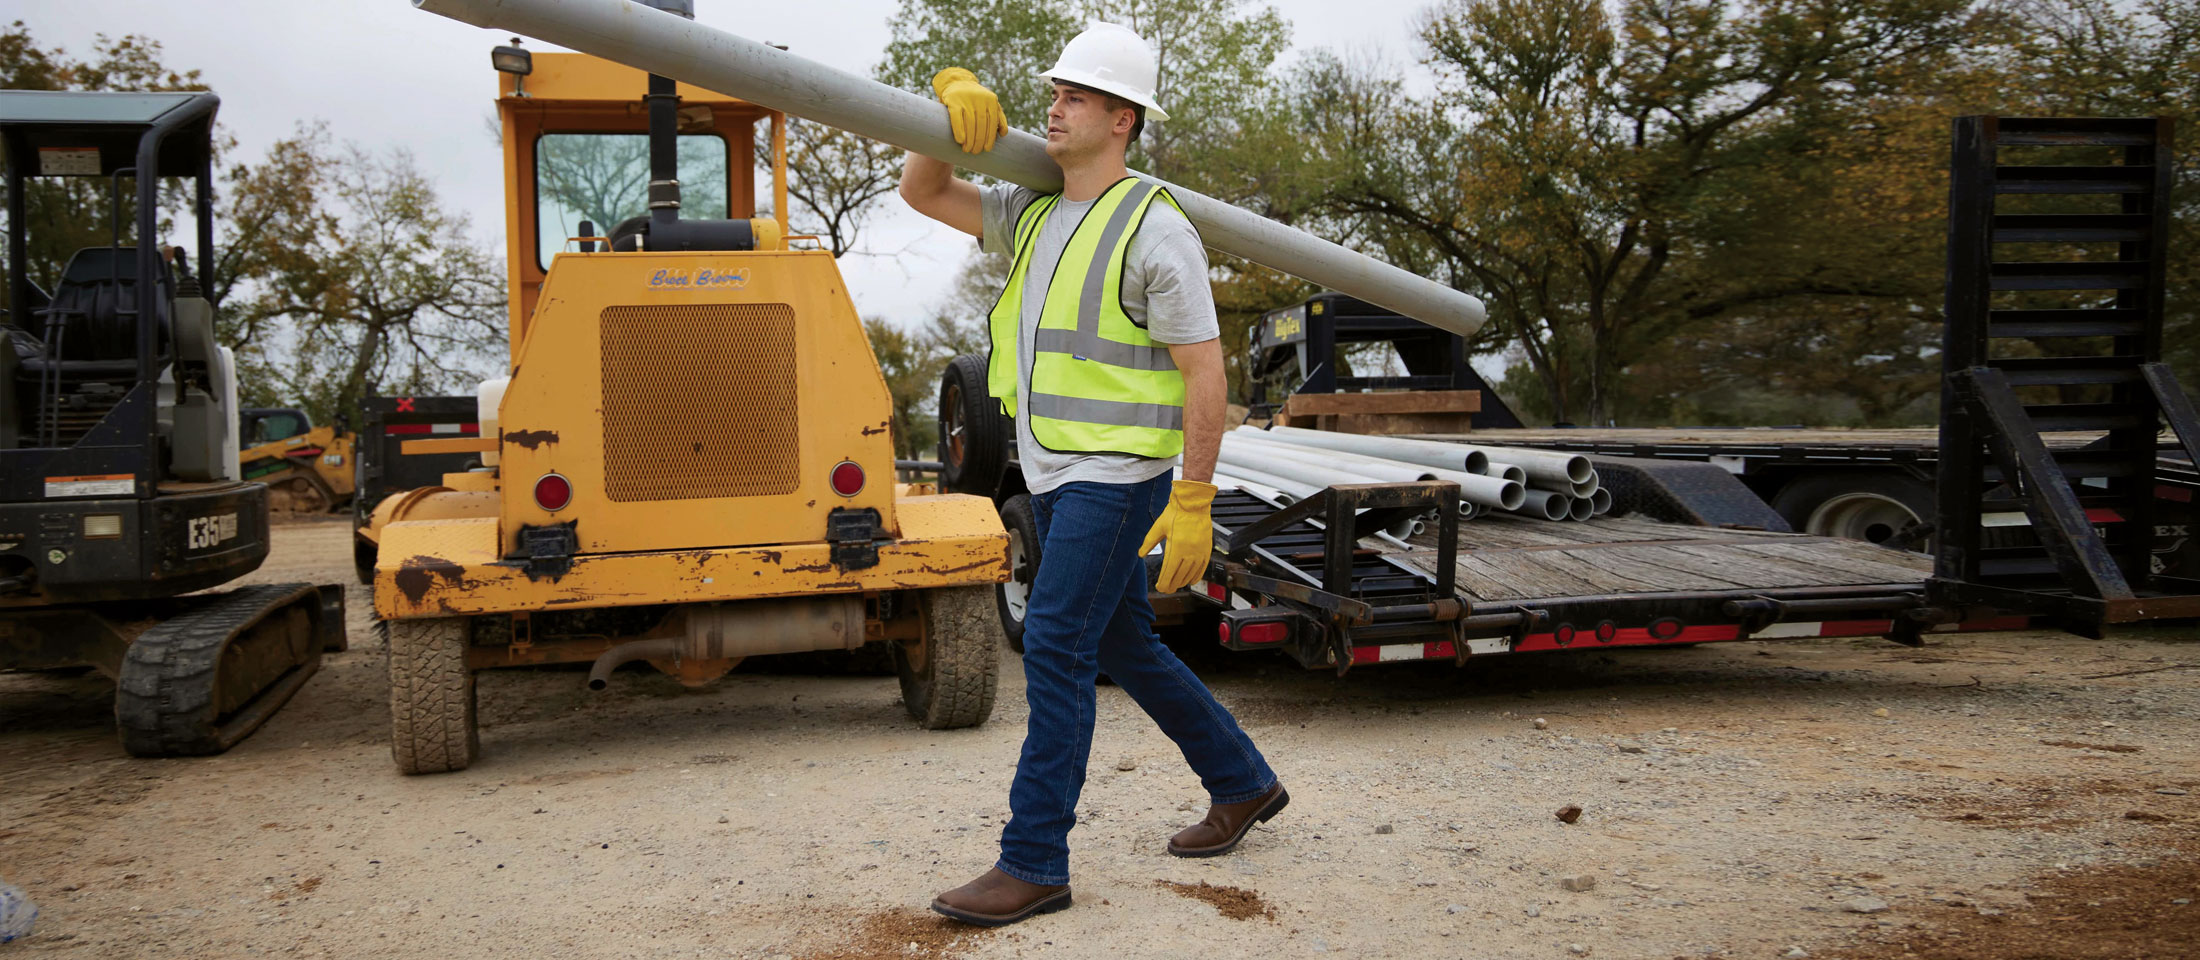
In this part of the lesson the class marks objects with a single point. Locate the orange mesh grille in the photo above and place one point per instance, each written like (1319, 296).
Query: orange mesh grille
(698, 401)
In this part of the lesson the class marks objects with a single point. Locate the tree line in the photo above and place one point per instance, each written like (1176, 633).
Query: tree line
(1677, 211)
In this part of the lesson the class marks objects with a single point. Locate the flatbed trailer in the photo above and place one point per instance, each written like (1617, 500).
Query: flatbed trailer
(1506, 584)
(2050, 494)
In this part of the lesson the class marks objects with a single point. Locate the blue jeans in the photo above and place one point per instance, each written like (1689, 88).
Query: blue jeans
(1089, 613)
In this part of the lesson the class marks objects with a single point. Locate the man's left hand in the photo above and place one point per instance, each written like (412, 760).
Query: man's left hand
(1187, 528)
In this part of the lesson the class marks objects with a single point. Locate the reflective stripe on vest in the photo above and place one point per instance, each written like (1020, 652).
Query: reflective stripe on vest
(1099, 383)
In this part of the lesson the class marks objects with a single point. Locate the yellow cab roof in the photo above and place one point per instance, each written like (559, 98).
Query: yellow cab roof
(580, 80)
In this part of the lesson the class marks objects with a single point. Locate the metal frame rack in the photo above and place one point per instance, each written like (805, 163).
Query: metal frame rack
(2064, 340)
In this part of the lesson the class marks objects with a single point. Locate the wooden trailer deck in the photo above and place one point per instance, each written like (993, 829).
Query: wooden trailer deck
(1504, 559)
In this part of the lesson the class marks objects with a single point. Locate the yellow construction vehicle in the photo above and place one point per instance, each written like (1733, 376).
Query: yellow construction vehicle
(307, 469)
(689, 463)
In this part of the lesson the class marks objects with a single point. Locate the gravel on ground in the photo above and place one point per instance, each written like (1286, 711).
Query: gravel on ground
(1747, 800)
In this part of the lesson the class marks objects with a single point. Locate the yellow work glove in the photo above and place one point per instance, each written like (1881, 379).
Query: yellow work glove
(1187, 525)
(973, 112)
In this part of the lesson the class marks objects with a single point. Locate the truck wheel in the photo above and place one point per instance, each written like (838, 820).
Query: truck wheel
(973, 434)
(432, 723)
(1869, 505)
(1014, 596)
(948, 677)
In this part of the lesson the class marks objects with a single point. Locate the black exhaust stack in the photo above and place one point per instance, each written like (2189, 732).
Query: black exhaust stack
(665, 230)
(664, 151)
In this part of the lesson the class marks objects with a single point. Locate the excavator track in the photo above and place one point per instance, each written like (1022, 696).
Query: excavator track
(199, 682)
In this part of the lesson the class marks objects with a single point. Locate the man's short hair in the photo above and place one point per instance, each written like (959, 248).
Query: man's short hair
(1111, 103)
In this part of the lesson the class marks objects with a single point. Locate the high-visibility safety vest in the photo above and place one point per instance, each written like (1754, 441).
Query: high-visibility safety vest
(1099, 384)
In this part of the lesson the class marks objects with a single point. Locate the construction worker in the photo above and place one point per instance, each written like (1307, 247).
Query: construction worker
(1106, 351)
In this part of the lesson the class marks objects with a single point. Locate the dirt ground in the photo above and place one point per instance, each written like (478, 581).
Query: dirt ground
(2004, 795)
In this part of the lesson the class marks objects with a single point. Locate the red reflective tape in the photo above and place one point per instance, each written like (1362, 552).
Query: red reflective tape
(400, 429)
(2166, 492)
(1631, 636)
(1439, 649)
(1855, 628)
(1362, 655)
(2103, 515)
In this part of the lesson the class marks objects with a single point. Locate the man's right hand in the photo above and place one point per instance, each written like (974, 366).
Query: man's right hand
(973, 112)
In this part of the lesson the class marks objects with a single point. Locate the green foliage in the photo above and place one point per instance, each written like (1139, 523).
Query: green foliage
(834, 178)
(1004, 42)
(384, 289)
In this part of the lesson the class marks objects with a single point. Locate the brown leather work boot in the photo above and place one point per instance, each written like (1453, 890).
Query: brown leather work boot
(1226, 824)
(997, 899)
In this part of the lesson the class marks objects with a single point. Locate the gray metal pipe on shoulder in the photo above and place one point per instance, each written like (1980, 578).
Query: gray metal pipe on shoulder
(713, 59)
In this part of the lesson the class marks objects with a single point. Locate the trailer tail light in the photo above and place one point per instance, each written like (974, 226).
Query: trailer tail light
(847, 478)
(1259, 628)
(553, 492)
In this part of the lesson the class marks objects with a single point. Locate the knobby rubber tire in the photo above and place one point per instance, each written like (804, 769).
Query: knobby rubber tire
(1021, 522)
(986, 433)
(433, 728)
(955, 685)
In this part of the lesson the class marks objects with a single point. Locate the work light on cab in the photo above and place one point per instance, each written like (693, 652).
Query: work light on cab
(553, 492)
(847, 478)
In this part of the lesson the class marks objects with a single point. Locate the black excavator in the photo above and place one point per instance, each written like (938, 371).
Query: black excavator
(120, 497)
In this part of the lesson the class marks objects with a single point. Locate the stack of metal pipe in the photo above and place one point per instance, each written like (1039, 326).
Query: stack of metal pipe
(1294, 462)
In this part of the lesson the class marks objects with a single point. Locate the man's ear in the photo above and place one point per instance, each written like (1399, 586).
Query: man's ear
(1125, 119)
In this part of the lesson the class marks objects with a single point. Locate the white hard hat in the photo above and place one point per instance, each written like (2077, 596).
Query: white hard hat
(1111, 58)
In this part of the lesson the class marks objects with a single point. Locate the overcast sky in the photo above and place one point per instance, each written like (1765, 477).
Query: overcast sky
(383, 74)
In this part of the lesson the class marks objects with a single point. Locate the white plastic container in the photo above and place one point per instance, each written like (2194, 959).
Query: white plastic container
(487, 399)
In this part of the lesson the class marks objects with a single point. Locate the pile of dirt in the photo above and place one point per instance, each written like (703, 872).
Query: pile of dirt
(1231, 902)
(2121, 912)
(904, 935)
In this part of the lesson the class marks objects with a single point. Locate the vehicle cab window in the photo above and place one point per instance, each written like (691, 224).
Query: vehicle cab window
(603, 178)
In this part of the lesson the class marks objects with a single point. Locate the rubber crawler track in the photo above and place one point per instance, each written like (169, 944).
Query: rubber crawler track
(164, 702)
(962, 637)
(432, 724)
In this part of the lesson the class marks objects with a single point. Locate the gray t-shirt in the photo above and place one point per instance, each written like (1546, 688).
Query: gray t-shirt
(1164, 287)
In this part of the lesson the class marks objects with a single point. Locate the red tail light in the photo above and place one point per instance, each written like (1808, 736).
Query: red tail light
(553, 492)
(847, 478)
(1271, 632)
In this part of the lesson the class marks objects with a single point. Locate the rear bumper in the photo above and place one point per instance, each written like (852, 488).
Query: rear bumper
(441, 568)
